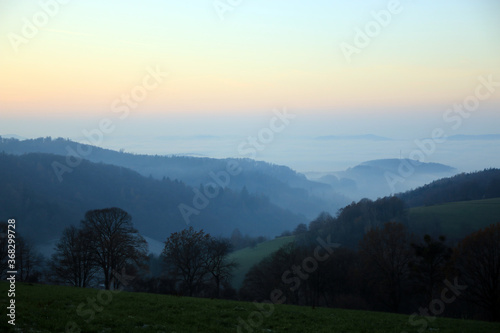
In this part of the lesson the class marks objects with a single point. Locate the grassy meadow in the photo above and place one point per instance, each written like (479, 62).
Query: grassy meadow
(456, 219)
(42, 308)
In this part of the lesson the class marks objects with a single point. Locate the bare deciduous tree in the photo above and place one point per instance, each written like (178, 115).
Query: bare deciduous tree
(28, 260)
(74, 260)
(386, 253)
(115, 241)
(217, 263)
(186, 252)
(195, 256)
(428, 266)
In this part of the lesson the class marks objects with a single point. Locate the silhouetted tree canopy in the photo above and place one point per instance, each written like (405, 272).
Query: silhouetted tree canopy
(477, 260)
(195, 257)
(114, 240)
(74, 261)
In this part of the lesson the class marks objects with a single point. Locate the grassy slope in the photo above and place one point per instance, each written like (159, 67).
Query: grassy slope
(49, 309)
(457, 219)
(248, 257)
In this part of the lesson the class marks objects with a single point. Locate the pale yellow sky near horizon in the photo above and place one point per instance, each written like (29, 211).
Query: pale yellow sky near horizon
(83, 56)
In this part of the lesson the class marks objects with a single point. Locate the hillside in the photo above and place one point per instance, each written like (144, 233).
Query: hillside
(43, 206)
(368, 179)
(250, 256)
(463, 187)
(455, 219)
(282, 185)
(48, 309)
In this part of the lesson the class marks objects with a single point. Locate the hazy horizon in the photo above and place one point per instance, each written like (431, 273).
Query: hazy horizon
(190, 79)
(310, 154)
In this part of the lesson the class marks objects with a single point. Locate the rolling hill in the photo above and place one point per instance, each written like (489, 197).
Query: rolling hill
(369, 179)
(456, 219)
(462, 187)
(283, 186)
(43, 206)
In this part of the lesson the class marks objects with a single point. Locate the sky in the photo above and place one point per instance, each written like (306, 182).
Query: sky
(202, 67)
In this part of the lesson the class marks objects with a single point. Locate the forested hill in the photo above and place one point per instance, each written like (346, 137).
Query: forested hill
(43, 206)
(352, 221)
(284, 187)
(463, 187)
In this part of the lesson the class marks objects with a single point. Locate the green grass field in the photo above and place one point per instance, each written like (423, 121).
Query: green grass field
(456, 219)
(248, 257)
(41, 308)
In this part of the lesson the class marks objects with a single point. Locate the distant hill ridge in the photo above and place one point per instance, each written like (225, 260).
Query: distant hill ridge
(284, 186)
(393, 165)
(462, 187)
(462, 137)
(368, 137)
(43, 206)
(368, 179)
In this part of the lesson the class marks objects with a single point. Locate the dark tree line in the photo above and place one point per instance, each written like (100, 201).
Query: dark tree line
(354, 220)
(390, 270)
(477, 261)
(463, 187)
(106, 244)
